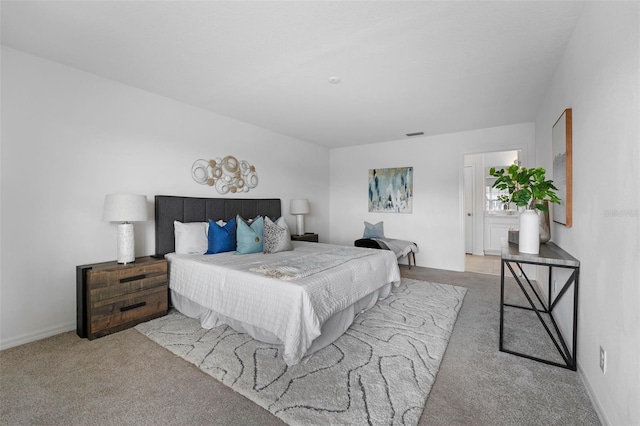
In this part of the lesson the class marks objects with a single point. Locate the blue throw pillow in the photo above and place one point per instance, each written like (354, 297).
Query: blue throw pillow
(222, 238)
(373, 231)
(249, 237)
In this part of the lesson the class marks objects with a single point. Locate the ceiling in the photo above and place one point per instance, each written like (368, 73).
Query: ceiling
(415, 66)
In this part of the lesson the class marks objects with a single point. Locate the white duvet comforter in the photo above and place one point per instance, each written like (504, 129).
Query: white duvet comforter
(293, 310)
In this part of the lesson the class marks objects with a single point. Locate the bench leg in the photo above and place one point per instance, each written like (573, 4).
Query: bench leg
(411, 254)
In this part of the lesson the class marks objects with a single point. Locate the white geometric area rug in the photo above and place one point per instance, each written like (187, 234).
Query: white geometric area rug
(379, 372)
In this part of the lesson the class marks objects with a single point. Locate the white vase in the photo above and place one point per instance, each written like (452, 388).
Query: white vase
(529, 238)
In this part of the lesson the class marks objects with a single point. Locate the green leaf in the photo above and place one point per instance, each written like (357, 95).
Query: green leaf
(542, 207)
(526, 187)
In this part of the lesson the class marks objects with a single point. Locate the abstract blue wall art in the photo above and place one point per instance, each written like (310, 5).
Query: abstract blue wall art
(391, 190)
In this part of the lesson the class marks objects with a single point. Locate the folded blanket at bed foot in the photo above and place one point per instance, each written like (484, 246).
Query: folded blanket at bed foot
(399, 247)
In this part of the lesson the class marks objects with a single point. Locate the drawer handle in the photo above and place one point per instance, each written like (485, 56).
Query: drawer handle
(134, 278)
(134, 306)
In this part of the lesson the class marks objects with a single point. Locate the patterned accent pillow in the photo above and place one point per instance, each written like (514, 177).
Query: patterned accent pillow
(373, 231)
(277, 237)
(249, 237)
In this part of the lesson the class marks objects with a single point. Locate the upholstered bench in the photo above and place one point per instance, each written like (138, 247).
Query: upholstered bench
(401, 248)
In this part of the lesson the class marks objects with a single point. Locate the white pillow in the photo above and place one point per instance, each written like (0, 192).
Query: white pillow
(282, 223)
(191, 238)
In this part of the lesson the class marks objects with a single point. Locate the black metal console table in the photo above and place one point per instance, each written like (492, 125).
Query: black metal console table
(554, 257)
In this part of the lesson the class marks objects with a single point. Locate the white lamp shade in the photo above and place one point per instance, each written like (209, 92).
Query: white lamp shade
(125, 208)
(299, 206)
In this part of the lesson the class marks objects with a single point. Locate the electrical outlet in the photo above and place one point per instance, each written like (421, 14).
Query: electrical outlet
(603, 360)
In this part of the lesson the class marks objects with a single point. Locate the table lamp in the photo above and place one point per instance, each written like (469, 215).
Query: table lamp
(299, 208)
(125, 208)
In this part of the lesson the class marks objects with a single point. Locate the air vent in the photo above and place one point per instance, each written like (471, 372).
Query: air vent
(415, 134)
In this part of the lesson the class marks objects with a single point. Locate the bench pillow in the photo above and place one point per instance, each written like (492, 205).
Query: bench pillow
(373, 231)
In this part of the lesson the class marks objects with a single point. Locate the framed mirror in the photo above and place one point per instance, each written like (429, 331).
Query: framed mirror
(562, 167)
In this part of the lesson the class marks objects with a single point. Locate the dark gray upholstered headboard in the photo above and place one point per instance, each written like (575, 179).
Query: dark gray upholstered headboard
(190, 209)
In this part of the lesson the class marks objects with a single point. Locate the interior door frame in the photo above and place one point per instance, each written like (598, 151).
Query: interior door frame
(468, 233)
(524, 156)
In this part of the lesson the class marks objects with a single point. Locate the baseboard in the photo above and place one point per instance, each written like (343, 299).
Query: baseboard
(602, 415)
(37, 335)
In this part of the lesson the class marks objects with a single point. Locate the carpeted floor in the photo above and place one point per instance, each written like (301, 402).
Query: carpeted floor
(380, 371)
(125, 378)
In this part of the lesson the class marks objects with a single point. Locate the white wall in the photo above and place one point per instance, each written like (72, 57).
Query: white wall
(436, 223)
(599, 78)
(69, 138)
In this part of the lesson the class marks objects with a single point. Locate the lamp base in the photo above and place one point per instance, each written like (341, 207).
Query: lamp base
(300, 224)
(126, 243)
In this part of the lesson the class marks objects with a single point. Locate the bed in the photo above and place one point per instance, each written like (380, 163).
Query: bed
(304, 313)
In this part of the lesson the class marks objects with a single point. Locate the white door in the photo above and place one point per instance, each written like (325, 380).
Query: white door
(468, 209)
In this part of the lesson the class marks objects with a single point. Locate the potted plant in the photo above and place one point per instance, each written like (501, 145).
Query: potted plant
(528, 188)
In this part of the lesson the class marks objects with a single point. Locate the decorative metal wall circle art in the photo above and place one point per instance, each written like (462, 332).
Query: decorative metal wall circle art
(226, 174)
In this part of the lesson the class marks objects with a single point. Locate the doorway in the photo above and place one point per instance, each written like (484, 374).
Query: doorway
(478, 202)
(482, 264)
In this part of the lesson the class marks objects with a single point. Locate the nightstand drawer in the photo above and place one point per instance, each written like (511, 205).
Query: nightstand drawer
(107, 284)
(109, 315)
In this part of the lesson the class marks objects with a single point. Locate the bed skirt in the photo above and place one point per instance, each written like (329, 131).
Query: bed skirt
(332, 328)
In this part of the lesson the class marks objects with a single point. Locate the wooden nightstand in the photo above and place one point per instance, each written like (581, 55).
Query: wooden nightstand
(308, 236)
(113, 296)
